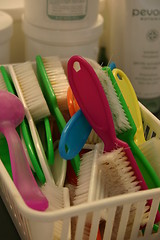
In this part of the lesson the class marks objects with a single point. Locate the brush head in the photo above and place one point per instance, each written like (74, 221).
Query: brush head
(117, 173)
(54, 72)
(29, 90)
(122, 119)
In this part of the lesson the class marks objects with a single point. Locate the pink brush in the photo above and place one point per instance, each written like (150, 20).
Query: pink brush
(92, 100)
(11, 115)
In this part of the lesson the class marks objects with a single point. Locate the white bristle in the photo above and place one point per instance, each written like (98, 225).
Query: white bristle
(117, 173)
(31, 90)
(120, 119)
(2, 83)
(81, 191)
(58, 80)
(55, 196)
(58, 198)
(118, 178)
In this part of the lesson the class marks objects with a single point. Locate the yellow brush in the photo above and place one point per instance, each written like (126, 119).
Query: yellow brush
(132, 103)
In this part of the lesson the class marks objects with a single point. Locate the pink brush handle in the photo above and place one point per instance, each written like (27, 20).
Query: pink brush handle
(92, 100)
(22, 175)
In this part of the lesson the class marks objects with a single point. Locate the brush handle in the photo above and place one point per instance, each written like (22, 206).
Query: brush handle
(132, 103)
(74, 135)
(22, 175)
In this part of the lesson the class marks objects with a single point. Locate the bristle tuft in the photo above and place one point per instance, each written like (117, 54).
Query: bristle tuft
(31, 90)
(58, 80)
(120, 119)
(117, 173)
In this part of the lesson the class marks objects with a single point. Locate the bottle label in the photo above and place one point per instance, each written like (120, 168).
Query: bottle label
(67, 9)
(144, 49)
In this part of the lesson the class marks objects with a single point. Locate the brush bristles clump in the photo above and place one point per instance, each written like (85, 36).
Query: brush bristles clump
(58, 80)
(120, 119)
(83, 184)
(31, 90)
(58, 198)
(118, 178)
(117, 173)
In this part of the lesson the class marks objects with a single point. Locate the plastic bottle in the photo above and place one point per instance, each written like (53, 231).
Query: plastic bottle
(135, 47)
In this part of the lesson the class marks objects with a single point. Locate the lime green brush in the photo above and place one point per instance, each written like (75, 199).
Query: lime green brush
(49, 70)
(127, 134)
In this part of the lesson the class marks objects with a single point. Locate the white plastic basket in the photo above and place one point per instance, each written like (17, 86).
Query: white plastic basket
(34, 225)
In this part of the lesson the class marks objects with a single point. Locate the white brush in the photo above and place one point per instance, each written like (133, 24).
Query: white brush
(118, 178)
(105, 175)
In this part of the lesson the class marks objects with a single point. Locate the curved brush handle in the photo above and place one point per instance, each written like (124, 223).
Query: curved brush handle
(74, 136)
(22, 175)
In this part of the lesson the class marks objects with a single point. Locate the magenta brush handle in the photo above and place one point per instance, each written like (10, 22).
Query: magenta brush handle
(22, 175)
(91, 99)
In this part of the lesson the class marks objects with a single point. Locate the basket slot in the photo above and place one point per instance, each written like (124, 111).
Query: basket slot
(66, 230)
(95, 225)
(80, 226)
(109, 223)
(138, 219)
(150, 122)
(123, 221)
(153, 211)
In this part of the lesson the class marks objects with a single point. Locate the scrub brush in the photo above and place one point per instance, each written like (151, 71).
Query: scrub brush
(149, 148)
(127, 132)
(80, 75)
(48, 76)
(104, 175)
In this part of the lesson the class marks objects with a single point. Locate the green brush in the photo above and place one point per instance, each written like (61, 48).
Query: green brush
(127, 134)
(47, 75)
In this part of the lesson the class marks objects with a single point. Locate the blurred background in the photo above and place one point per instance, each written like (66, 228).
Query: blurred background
(124, 32)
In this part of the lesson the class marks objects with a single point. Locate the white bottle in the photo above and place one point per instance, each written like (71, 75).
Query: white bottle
(61, 14)
(135, 47)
